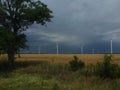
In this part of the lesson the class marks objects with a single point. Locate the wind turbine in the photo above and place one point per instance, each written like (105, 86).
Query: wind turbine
(57, 48)
(82, 47)
(111, 46)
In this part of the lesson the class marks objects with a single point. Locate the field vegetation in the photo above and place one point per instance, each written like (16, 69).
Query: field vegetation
(64, 58)
(56, 72)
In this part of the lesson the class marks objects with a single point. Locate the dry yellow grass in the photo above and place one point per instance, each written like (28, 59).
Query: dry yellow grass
(65, 58)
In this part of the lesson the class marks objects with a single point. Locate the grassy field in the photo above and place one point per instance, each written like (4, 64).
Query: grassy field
(51, 72)
(65, 58)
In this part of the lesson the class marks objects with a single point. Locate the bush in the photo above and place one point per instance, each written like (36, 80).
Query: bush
(106, 69)
(76, 64)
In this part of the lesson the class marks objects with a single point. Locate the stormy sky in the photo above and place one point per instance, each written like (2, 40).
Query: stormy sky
(79, 22)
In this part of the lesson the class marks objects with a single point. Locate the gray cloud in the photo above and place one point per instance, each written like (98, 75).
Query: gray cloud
(80, 22)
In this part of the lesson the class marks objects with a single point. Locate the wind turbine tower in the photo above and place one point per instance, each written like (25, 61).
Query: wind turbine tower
(57, 48)
(111, 46)
(82, 49)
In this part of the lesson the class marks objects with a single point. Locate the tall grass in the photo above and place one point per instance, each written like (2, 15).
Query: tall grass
(43, 75)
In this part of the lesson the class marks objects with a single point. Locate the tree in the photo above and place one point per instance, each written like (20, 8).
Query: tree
(15, 17)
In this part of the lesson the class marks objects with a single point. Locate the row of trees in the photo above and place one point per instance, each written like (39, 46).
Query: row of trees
(15, 17)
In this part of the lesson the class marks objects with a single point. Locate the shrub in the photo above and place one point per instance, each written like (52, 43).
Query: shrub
(76, 64)
(106, 69)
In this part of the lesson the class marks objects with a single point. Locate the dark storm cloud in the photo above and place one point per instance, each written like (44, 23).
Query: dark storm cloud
(80, 22)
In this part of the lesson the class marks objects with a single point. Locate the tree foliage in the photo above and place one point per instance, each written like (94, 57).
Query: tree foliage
(15, 17)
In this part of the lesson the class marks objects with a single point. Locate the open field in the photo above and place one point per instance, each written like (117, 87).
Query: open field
(65, 58)
(51, 72)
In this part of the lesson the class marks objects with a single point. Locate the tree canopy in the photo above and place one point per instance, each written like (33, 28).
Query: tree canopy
(15, 17)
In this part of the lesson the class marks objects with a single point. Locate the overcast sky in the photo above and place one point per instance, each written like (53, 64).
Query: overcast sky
(80, 22)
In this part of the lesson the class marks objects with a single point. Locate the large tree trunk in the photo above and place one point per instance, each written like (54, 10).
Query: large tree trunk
(11, 56)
